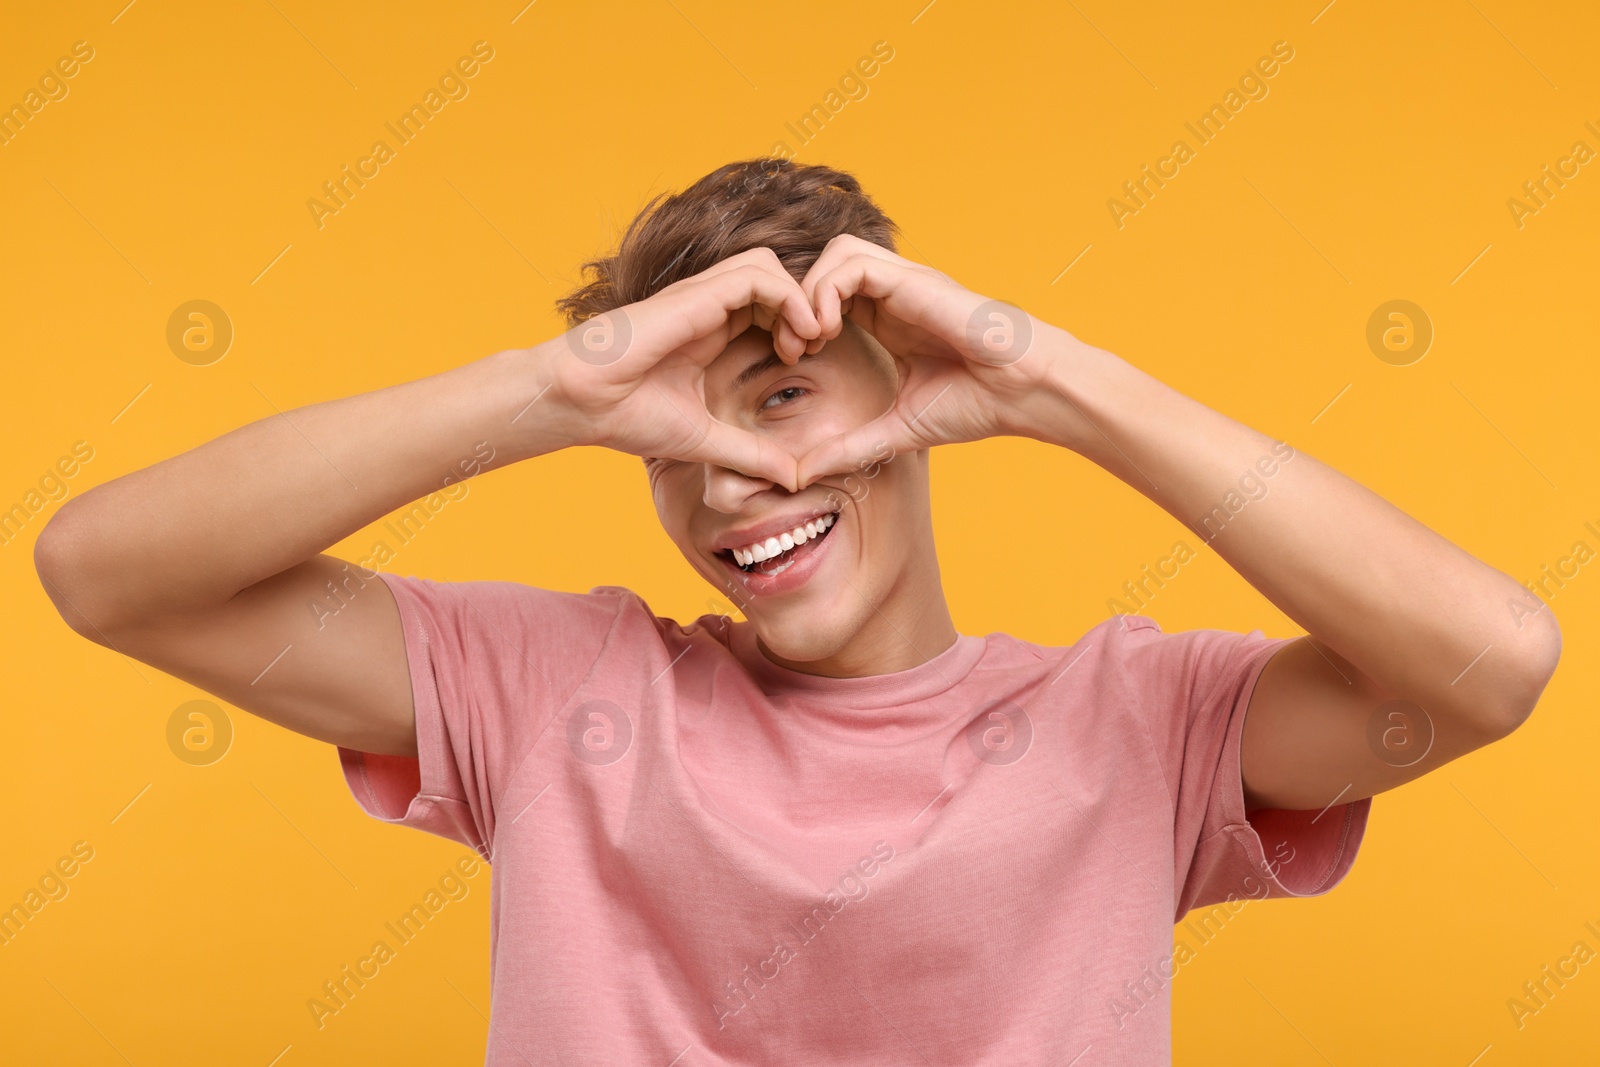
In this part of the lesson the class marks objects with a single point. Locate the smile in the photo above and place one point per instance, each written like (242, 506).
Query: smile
(778, 553)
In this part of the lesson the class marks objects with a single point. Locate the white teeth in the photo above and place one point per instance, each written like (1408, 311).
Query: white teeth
(775, 546)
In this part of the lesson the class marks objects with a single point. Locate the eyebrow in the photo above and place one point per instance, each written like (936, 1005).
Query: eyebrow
(757, 368)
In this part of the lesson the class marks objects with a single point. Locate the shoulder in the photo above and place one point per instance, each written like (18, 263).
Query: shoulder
(1095, 670)
(1132, 655)
(496, 604)
(1113, 637)
(1142, 642)
(1187, 675)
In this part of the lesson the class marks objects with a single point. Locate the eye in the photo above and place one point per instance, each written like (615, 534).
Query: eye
(793, 392)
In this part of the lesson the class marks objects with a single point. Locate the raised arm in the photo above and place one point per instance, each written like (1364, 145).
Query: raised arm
(209, 565)
(1416, 653)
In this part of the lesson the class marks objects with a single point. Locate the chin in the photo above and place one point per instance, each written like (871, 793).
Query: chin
(806, 633)
(820, 619)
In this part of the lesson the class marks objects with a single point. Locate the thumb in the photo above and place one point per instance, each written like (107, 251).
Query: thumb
(858, 450)
(738, 449)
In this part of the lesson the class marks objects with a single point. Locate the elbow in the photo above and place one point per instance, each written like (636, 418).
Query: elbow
(51, 555)
(1538, 666)
(57, 560)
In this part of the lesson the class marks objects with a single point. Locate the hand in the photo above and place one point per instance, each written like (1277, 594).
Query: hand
(968, 365)
(633, 378)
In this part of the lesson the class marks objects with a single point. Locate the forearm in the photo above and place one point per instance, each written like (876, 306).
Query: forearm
(1418, 614)
(192, 531)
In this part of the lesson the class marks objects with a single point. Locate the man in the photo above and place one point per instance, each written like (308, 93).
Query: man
(840, 831)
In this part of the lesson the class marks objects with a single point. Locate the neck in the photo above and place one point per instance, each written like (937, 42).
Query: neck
(911, 626)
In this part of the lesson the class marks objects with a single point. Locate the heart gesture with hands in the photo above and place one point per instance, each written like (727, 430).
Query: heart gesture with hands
(637, 382)
(968, 366)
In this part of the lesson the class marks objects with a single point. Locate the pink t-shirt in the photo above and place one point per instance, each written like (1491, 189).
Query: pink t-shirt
(702, 858)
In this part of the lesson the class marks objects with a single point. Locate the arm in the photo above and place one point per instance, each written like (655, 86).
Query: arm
(1392, 610)
(207, 565)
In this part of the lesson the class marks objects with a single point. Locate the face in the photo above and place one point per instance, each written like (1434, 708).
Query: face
(859, 538)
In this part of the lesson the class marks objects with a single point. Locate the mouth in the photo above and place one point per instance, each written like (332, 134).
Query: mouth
(772, 556)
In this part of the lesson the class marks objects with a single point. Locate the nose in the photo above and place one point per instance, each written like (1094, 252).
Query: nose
(727, 489)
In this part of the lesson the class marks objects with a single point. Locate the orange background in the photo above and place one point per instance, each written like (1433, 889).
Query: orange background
(1378, 167)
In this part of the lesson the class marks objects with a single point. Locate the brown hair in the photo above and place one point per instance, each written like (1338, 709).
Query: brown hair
(793, 208)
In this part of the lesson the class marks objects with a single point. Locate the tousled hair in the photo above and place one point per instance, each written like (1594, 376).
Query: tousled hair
(793, 208)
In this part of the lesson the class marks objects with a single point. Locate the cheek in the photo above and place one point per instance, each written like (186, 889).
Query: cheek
(896, 494)
(678, 491)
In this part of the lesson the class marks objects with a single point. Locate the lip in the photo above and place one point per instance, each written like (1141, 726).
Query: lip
(792, 577)
(771, 528)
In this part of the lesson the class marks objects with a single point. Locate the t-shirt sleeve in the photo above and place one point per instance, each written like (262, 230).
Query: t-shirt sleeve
(491, 663)
(1194, 688)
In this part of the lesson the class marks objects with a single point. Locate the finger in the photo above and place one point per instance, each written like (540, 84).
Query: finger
(857, 309)
(788, 344)
(772, 321)
(858, 450)
(793, 345)
(709, 311)
(710, 440)
(866, 275)
(831, 319)
(740, 450)
(922, 298)
(837, 251)
(762, 257)
(783, 340)
(776, 292)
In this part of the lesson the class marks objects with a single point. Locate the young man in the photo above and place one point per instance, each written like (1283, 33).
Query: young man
(840, 831)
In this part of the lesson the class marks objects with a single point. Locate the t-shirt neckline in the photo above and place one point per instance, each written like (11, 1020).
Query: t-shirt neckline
(935, 676)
